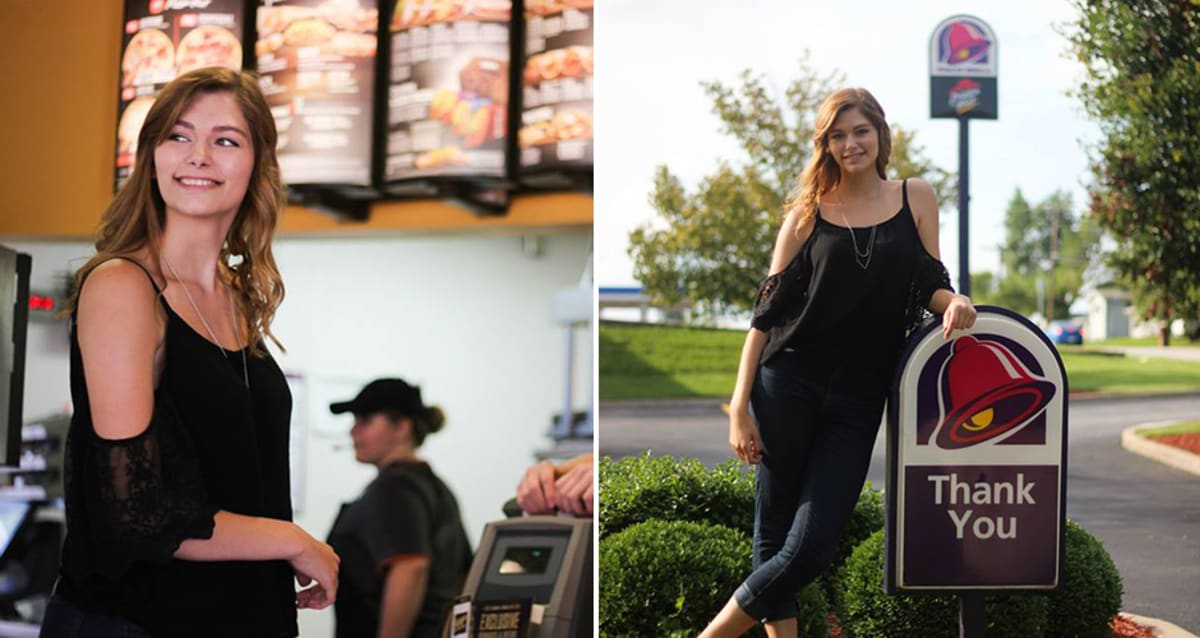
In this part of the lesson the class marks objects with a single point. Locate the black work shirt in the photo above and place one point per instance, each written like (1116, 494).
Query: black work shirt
(406, 510)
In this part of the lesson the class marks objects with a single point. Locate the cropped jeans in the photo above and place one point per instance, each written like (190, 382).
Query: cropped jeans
(818, 423)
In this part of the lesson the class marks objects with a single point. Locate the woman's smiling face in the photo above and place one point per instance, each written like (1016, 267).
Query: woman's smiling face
(203, 166)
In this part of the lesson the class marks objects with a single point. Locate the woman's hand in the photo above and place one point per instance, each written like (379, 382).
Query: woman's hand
(574, 491)
(316, 562)
(536, 493)
(959, 315)
(743, 435)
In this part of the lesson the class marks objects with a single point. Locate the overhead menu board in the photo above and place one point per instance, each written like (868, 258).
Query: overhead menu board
(163, 39)
(448, 91)
(556, 117)
(316, 62)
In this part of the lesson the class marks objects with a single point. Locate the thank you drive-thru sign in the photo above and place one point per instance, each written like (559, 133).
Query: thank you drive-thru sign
(977, 460)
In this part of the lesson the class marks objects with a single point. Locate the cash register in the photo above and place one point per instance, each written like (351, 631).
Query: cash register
(546, 560)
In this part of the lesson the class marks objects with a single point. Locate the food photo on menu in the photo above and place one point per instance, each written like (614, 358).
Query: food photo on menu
(316, 62)
(448, 101)
(556, 117)
(162, 42)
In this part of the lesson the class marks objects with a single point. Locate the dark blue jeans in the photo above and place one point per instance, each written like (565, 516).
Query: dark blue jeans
(818, 424)
(64, 620)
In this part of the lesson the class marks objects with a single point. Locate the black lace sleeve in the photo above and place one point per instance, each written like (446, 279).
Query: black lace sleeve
(768, 304)
(929, 276)
(150, 495)
(781, 295)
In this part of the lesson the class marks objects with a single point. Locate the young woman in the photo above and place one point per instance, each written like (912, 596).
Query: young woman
(854, 266)
(177, 488)
(405, 552)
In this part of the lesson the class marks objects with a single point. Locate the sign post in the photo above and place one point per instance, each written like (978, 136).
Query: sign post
(977, 464)
(962, 86)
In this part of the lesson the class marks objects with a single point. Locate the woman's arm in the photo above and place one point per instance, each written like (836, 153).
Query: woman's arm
(119, 330)
(743, 433)
(956, 310)
(403, 594)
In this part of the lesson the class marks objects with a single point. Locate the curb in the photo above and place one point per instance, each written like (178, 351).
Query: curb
(1165, 454)
(1161, 628)
(716, 402)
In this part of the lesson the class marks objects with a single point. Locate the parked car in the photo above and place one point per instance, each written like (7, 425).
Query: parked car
(1062, 331)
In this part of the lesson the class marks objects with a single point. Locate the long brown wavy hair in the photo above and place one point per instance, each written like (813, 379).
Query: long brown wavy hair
(137, 215)
(822, 173)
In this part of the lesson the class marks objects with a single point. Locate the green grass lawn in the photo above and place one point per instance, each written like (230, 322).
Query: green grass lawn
(1150, 342)
(1183, 427)
(652, 362)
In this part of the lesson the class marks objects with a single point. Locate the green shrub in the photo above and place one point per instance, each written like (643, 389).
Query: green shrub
(642, 488)
(1091, 590)
(866, 519)
(668, 578)
(661, 577)
(865, 611)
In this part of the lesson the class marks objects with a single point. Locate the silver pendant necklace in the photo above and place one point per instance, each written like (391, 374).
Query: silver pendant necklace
(232, 320)
(862, 258)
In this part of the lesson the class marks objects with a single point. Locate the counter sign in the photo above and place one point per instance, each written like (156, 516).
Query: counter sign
(977, 460)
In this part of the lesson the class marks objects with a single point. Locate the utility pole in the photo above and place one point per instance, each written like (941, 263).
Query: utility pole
(1053, 263)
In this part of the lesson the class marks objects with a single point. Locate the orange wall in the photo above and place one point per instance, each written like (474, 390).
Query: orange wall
(58, 109)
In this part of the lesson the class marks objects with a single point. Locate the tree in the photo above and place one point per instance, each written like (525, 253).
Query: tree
(1142, 85)
(1045, 246)
(712, 244)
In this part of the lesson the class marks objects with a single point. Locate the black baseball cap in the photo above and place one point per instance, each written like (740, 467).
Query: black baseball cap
(383, 395)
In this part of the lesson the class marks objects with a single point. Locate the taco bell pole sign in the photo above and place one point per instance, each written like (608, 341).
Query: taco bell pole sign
(977, 460)
(962, 69)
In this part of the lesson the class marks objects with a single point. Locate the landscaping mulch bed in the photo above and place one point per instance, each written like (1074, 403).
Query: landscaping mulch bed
(1126, 628)
(1189, 441)
(1122, 627)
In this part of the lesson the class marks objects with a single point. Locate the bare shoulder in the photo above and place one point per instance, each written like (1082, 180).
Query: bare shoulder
(792, 235)
(922, 200)
(120, 325)
(118, 301)
(117, 280)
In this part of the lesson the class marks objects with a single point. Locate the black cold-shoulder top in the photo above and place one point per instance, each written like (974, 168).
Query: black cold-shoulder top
(212, 444)
(826, 306)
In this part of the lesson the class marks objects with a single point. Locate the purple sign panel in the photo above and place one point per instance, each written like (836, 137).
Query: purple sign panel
(962, 69)
(977, 425)
(163, 39)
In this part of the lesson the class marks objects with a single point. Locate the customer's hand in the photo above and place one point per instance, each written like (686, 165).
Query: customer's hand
(316, 562)
(574, 490)
(743, 435)
(536, 493)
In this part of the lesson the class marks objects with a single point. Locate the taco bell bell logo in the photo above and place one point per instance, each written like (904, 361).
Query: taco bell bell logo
(964, 46)
(989, 390)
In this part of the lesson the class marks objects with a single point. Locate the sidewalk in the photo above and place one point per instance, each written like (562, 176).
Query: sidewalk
(1161, 628)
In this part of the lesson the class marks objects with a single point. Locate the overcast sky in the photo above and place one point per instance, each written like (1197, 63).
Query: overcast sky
(650, 109)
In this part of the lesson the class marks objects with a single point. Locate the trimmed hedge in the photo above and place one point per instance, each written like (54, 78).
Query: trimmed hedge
(668, 578)
(1091, 590)
(641, 488)
(661, 577)
(865, 611)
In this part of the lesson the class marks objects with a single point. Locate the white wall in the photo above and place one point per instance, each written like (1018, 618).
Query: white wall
(466, 318)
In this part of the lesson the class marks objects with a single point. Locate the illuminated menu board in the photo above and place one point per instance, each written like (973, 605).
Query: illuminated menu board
(316, 62)
(556, 115)
(163, 39)
(448, 91)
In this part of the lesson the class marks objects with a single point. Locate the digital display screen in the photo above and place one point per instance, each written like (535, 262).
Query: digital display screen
(525, 560)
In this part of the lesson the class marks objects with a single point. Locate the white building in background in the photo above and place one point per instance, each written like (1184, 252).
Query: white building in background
(1109, 313)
